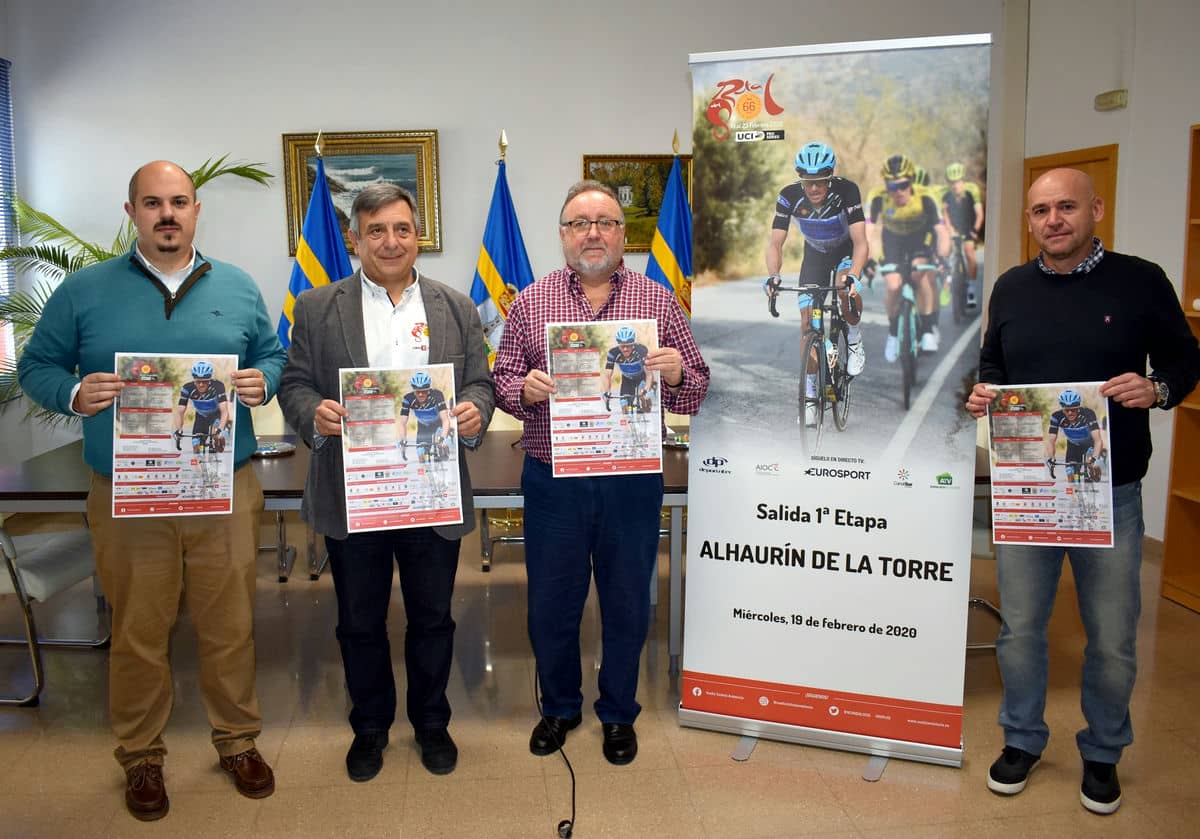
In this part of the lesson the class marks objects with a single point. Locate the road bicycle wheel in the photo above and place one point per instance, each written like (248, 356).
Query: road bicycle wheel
(841, 382)
(908, 348)
(810, 437)
(959, 287)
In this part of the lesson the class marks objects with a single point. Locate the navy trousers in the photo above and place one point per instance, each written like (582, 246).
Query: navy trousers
(576, 528)
(362, 580)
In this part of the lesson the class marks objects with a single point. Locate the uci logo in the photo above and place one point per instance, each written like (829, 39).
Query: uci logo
(715, 462)
(748, 136)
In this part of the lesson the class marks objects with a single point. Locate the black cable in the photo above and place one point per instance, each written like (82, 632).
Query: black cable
(566, 826)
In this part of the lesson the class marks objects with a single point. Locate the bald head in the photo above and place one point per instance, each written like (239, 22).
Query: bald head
(1062, 213)
(163, 167)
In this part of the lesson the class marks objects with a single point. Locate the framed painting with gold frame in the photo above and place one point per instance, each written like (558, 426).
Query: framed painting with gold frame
(639, 181)
(354, 160)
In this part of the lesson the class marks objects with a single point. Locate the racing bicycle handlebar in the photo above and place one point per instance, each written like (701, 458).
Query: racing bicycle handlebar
(806, 288)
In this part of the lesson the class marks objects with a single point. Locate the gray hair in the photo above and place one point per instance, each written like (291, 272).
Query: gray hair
(381, 195)
(588, 185)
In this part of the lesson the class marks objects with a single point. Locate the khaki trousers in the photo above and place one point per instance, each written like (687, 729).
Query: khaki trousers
(148, 567)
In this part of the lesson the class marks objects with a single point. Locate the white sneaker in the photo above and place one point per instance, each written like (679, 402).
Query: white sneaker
(810, 416)
(891, 350)
(929, 341)
(857, 357)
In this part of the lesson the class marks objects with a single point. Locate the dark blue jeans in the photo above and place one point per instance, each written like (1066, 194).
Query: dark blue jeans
(574, 528)
(362, 579)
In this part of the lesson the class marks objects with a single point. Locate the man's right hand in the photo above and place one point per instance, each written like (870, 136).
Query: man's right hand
(981, 396)
(96, 392)
(328, 418)
(537, 388)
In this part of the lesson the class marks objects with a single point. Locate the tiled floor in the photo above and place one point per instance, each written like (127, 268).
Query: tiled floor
(58, 778)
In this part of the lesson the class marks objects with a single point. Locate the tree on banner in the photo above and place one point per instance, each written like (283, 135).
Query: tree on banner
(503, 267)
(670, 260)
(321, 256)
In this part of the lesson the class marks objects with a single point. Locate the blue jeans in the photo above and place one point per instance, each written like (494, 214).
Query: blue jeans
(1108, 586)
(574, 528)
(362, 581)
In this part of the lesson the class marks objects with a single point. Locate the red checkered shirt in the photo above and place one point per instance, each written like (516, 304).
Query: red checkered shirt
(559, 297)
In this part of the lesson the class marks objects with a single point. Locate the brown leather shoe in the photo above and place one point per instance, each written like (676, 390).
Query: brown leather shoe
(145, 793)
(251, 775)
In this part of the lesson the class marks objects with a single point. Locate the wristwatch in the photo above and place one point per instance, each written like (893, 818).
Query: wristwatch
(1162, 393)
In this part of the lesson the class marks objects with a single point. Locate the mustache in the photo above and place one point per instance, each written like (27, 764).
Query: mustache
(167, 222)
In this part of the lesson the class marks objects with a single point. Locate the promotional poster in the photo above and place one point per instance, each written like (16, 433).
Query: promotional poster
(832, 467)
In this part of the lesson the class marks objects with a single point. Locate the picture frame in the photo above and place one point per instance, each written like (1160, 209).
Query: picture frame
(627, 174)
(354, 160)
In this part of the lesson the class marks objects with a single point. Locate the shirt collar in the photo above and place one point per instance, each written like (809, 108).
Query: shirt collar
(373, 289)
(615, 278)
(1089, 262)
(149, 266)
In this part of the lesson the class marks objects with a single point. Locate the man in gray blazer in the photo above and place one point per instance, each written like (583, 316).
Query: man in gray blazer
(386, 316)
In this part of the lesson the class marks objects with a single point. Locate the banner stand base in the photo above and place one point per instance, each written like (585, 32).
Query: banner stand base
(878, 746)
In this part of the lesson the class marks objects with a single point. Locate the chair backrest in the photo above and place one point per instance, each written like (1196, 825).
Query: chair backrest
(48, 563)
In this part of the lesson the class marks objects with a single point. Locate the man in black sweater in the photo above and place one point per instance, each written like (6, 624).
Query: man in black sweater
(1079, 313)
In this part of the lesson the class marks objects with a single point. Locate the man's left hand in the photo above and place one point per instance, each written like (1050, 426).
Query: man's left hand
(469, 421)
(1130, 390)
(250, 386)
(669, 363)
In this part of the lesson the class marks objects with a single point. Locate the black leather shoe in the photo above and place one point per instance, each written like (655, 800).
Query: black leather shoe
(145, 793)
(438, 753)
(365, 758)
(550, 733)
(620, 742)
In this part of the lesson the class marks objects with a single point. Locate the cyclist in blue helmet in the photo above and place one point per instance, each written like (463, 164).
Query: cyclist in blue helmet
(828, 211)
(629, 356)
(211, 403)
(429, 406)
(1080, 427)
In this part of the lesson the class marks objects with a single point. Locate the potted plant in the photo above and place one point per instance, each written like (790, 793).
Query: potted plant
(53, 251)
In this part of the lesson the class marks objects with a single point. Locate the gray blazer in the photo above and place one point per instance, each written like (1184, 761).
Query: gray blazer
(327, 333)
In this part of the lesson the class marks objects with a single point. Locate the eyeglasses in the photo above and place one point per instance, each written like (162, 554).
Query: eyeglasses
(816, 181)
(896, 186)
(581, 226)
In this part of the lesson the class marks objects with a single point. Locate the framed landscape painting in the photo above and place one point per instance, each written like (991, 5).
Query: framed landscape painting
(639, 181)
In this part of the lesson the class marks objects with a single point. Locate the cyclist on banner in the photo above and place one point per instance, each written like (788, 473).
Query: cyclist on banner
(433, 415)
(630, 357)
(1085, 440)
(909, 230)
(209, 399)
(828, 211)
(962, 203)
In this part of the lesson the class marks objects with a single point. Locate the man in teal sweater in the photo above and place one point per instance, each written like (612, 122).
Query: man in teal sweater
(164, 297)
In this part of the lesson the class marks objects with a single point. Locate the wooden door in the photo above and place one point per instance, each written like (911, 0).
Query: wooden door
(1101, 163)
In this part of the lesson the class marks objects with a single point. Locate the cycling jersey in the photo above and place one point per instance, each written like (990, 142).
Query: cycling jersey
(1078, 431)
(960, 210)
(826, 227)
(908, 231)
(208, 404)
(632, 366)
(428, 413)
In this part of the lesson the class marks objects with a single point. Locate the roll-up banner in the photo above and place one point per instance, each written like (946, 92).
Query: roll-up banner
(829, 535)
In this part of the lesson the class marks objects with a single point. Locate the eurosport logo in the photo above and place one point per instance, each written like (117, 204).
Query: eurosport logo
(842, 474)
(768, 469)
(715, 465)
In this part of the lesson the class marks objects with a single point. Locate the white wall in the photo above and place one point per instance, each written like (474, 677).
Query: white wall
(1079, 48)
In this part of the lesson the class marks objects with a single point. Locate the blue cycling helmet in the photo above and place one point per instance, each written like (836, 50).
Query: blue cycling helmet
(420, 379)
(815, 160)
(626, 335)
(202, 370)
(1070, 399)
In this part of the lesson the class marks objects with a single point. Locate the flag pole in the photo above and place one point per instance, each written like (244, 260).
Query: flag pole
(503, 145)
(675, 143)
(317, 143)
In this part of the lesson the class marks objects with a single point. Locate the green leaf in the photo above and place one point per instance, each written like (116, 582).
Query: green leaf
(216, 168)
(53, 260)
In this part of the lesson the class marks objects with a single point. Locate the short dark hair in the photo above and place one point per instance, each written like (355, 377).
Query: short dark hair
(134, 179)
(588, 185)
(380, 195)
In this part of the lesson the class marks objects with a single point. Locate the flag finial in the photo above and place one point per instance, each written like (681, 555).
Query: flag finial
(503, 144)
(317, 143)
(675, 142)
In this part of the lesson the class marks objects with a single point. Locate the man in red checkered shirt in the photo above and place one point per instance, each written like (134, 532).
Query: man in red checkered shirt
(576, 527)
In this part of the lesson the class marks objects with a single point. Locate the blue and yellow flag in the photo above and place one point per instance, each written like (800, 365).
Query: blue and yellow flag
(320, 254)
(670, 260)
(503, 267)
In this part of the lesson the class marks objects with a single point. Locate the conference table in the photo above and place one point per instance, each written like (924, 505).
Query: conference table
(58, 481)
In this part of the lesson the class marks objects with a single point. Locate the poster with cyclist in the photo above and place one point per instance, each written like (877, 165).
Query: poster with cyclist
(831, 471)
(173, 428)
(606, 412)
(400, 448)
(1051, 473)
